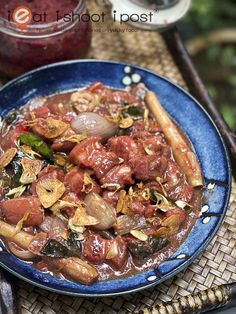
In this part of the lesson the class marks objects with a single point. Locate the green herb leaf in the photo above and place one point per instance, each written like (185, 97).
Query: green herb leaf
(71, 247)
(141, 250)
(17, 172)
(74, 245)
(37, 144)
(153, 198)
(54, 249)
(133, 111)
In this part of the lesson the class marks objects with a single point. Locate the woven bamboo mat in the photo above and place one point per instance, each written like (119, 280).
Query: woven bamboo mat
(216, 266)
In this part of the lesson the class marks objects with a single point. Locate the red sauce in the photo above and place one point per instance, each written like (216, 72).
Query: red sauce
(20, 54)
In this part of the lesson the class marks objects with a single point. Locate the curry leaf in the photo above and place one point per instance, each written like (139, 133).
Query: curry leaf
(153, 198)
(74, 245)
(54, 249)
(133, 111)
(141, 250)
(37, 144)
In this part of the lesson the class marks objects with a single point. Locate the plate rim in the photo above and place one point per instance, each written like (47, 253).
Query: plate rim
(213, 233)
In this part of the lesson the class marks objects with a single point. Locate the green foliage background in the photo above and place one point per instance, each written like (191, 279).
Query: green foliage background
(217, 63)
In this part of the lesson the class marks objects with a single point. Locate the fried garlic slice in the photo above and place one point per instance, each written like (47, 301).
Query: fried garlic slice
(75, 138)
(84, 101)
(60, 205)
(182, 204)
(126, 123)
(7, 157)
(17, 192)
(20, 224)
(81, 218)
(55, 128)
(121, 201)
(162, 202)
(29, 152)
(88, 184)
(139, 235)
(49, 191)
(31, 169)
(73, 227)
(60, 160)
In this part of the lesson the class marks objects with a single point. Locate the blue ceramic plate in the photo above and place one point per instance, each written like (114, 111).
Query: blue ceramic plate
(188, 114)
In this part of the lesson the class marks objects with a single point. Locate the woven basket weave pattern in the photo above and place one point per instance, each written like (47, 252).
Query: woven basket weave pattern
(216, 266)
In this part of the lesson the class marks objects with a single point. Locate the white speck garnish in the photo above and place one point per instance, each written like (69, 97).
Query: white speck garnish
(204, 209)
(152, 278)
(206, 220)
(127, 69)
(127, 80)
(211, 186)
(136, 78)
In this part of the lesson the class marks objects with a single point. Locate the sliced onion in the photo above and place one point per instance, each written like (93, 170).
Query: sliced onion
(93, 124)
(19, 252)
(98, 208)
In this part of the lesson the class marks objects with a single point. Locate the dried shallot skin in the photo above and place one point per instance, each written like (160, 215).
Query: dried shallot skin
(106, 194)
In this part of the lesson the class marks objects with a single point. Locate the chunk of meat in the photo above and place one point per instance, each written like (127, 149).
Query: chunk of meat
(176, 185)
(8, 140)
(122, 256)
(82, 151)
(90, 153)
(103, 162)
(121, 175)
(140, 167)
(112, 97)
(58, 108)
(140, 127)
(14, 210)
(60, 145)
(156, 145)
(38, 242)
(173, 175)
(71, 198)
(41, 112)
(157, 166)
(74, 181)
(183, 192)
(111, 198)
(143, 208)
(124, 147)
(122, 97)
(179, 212)
(98, 88)
(148, 167)
(95, 248)
(50, 172)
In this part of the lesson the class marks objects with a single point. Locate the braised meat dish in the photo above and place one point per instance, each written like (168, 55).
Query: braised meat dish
(96, 184)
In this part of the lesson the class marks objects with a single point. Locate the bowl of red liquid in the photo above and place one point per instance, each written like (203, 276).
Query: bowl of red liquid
(58, 30)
